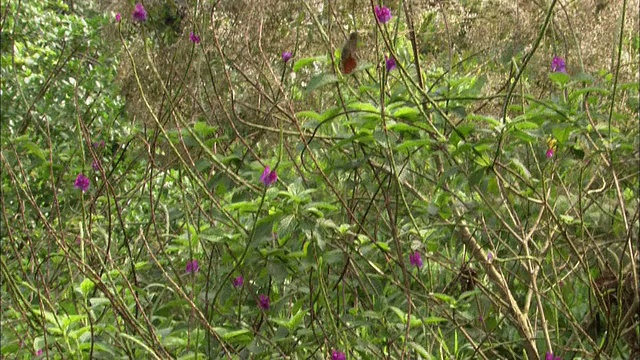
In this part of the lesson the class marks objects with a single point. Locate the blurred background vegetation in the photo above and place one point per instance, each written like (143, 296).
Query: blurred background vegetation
(516, 185)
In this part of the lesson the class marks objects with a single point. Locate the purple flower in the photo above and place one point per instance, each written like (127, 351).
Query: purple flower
(263, 302)
(549, 153)
(192, 266)
(338, 355)
(286, 56)
(558, 65)
(550, 356)
(118, 17)
(383, 14)
(268, 176)
(194, 38)
(390, 63)
(139, 13)
(39, 352)
(480, 318)
(415, 259)
(489, 256)
(82, 182)
(98, 144)
(238, 282)
(95, 165)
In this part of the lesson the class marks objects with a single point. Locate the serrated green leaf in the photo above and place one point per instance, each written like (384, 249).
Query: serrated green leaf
(86, 286)
(309, 115)
(559, 77)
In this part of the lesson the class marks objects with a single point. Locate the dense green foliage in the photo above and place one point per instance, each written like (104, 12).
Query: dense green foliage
(521, 204)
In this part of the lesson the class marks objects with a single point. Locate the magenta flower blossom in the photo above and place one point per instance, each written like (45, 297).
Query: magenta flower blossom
(118, 17)
(550, 356)
(550, 153)
(194, 38)
(238, 282)
(286, 56)
(489, 256)
(192, 266)
(383, 14)
(390, 63)
(558, 65)
(139, 13)
(415, 259)
(39, 352)
(98, 144)
(95, 165)
(82, 182)
(268, 176)
(338, 355)
(263, 302)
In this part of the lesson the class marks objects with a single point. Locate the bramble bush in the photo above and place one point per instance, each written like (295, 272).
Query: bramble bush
(175, 189)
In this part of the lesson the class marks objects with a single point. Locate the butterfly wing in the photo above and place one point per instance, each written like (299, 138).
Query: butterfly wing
(349, 64)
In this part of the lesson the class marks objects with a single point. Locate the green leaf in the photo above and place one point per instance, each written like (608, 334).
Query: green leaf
(334, 257)
(321, 80)
(561, 132)
(525, 125)
(296, 319)
(446, 298)
(331, 113)
(521, 168)
(413, 320)
(33, 149)
(10, 348)
(401, 314)
(193, 356)
(86, 286)
(583, 77)
(524, 136)
(203, 129)
(309, 115)
(495, 123)
(306, 61)
(559, 78)
(410, 144)
(365, 107)
(476, 177)
(382, 246)
(483, 160)
(402, 127)
(420, 350)
(434, 320)
(226, 334)
(407, 113)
